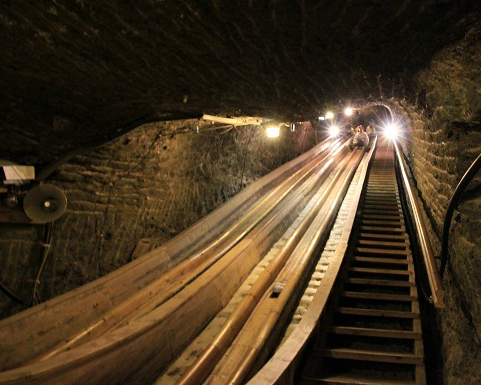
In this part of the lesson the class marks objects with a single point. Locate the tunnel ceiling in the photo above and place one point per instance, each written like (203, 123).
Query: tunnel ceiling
(75, 72)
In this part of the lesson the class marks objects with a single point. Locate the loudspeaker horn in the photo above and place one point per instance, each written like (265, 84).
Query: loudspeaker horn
(44, 203)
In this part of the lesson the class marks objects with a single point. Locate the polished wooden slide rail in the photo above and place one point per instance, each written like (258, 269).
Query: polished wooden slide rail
(126, 326)
(252, 336)
(57, 320)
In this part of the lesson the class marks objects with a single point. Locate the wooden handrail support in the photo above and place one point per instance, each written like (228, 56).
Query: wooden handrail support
(435, 283)
(280, 368)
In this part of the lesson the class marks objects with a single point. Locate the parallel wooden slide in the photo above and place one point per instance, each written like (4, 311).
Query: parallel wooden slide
(128, 326)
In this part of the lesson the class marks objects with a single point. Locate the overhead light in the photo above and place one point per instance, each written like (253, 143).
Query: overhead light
(273, 131)
(391, 131)
(348, 111)
(333, 131)
(322, 118)
(329, 115)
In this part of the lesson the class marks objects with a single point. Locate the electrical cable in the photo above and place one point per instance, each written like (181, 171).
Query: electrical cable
(10, 294)
(47, 240)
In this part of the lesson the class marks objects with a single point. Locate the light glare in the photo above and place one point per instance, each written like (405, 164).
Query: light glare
(329, 115)
(348, 111)
(391, 131)
(273, 131)
(333, 131)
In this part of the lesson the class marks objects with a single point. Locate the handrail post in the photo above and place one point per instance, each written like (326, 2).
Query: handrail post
(435, 282)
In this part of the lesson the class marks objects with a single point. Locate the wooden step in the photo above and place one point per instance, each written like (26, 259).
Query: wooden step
(381, 333)
(379, 271)
(385, 207)
(353, 380)
(381, 202)
(381, 191)
(393, 261)
(389, 217)
(382, 205)
(377, 313)
(380, 282)
(386, 223)
(402, 237)
(365, 242)
(387, 212)
(370, 355)
(379, 296)
(371, 191)
(384, 229)
(376, 252)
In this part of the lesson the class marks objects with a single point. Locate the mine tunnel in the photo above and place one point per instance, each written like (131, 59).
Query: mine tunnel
(240, 192)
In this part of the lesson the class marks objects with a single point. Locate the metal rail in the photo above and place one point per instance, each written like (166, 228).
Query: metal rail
(453, 204)
(435, 283)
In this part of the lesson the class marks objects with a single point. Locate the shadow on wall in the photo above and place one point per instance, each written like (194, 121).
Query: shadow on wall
(150, 184)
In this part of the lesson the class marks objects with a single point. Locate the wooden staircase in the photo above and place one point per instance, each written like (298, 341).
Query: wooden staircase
(372, 334)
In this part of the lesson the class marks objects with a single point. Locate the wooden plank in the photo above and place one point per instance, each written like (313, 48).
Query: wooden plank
(371, 250)
(379, 296)
(370, 355)
(377, 312)
(377, 206)
(380, 282)
(346, 379)
(380, 201)
(386, 216)
(383, 223)
(401, 237)
(379, 271)
(401, 230)
(393, 261)
(365, 242)
(381, 333)
(377, 192)
(382, 212)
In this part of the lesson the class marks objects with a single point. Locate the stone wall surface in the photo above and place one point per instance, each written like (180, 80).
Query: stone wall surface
(442, 139)
(75, 71)
(149, 184)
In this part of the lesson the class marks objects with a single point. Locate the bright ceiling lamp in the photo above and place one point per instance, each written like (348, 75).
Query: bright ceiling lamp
(273, 131)
(348, 111)
(391, 130)
(329, 115)
(333, 131)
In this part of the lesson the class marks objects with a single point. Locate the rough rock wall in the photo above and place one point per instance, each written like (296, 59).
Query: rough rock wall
(73, 71)
(151, 183)
(443, 137)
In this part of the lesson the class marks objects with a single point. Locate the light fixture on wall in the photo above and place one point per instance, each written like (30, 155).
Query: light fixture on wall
(273, 131)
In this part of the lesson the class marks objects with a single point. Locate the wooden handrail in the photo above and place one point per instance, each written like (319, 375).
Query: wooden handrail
(435, 283)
